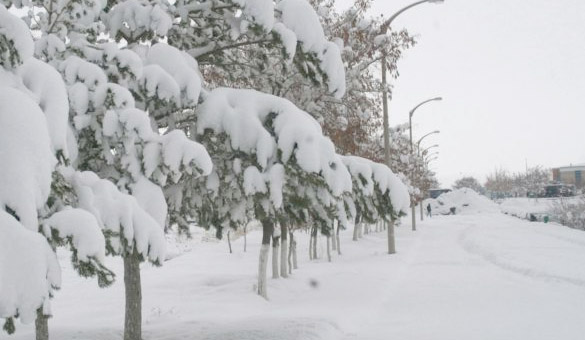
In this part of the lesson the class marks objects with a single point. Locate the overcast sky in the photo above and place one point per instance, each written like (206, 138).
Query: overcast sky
(512, 75)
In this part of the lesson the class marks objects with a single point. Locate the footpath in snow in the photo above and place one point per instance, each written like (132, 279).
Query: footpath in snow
(472, 276)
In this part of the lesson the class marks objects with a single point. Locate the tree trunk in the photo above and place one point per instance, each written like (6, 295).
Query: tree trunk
(275, 255)
(310, 245)
(360, 229)
(267, 228)
(283, 250)
(245, 239)
(293, 245)
(328, 248)
(42, 325)
(391, 241)
(229, 241)
(421, 211)
(133, 321)
(314, 234)
(338, 243)
(333, 239)
(413, 215)
(356, 225)
(290, 252)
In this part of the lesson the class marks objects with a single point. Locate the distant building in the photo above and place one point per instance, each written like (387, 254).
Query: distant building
(571, 175)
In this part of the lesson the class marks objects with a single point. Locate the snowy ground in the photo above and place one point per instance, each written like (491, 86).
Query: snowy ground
(472, 276)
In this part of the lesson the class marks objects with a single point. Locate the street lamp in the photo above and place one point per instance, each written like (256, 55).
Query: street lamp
(411, 113)
(384, 30)
(430, 156)
(426, 150)
(430, 159)
(423, 137)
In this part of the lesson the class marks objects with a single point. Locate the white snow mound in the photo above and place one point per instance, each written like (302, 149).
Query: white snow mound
(465, 201)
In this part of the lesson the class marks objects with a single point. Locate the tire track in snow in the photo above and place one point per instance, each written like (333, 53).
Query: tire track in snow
(475, 248)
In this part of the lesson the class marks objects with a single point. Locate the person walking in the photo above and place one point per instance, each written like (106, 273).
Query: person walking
(429, 210)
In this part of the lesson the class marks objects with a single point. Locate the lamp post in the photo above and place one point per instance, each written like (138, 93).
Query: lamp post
(384, 30)
(423, 137)
(430, 159)
(410, 114)
(426, 150)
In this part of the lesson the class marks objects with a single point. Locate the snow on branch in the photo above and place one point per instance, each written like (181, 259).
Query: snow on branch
(16, 44)
(27, 158)
(81, 226)
(29, 271)
(126, 225)
(263, 124)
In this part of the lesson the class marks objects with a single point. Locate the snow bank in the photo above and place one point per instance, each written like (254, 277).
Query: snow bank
(465, 201)
(522, 207)
(28, 270)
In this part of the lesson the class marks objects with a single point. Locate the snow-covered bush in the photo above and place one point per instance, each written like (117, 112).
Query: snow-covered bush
(570, 212)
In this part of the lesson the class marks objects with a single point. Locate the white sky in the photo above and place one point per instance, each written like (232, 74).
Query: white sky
(512, 77)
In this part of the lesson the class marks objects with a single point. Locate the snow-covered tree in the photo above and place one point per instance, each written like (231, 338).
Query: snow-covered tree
(468, 182)
(377, 195)
(273, 158)
(107, 86)
(34, 196)
(351, 120)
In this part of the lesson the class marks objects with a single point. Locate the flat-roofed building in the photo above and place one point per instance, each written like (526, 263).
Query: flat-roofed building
(572, 174)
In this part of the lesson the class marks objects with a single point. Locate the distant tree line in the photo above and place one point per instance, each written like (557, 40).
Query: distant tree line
(502, 183)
